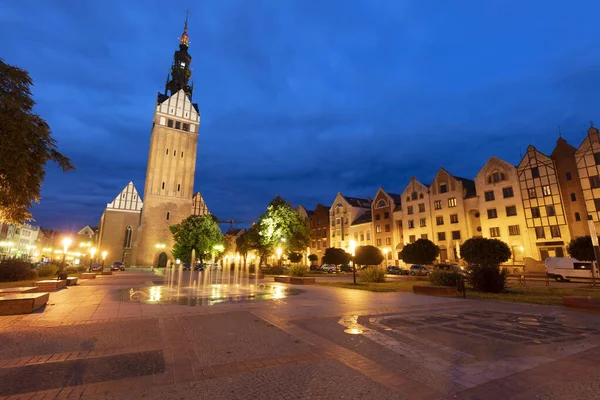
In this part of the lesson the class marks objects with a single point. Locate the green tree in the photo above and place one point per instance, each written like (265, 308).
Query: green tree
(26, 146)
(581, 248)
(485, 252)
(280, 226)
(295, 257)
(484, 257)
(368, 255)
(255, 242)
(242, 245)
(313, 258)
(422, 251)
(201, 233)
(336, 256)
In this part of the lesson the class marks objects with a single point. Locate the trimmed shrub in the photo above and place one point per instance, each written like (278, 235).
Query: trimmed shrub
(71, 270)
(82, 268)
(487, 279)
(444, 278)
(372, 275)
(297, 270)
(275, 270)
(48, 270)
(16, 270)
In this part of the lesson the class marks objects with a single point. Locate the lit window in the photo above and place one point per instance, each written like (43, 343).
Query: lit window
(452, 202)
(546, 190)
(378, 229)
(388, 240)
(437, 204)
(378, 242)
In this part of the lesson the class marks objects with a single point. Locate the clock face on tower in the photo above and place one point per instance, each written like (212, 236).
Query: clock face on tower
(182, 64)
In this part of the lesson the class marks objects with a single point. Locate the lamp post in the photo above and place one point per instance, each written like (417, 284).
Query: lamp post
(385, 252)
(66, 243)
(104, 253)
(279, 251)
(92, 254)
(353, 252)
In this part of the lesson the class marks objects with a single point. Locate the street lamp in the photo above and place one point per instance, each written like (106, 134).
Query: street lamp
(279, 251)
(104, 253)
(92, 254)
(66, 243)
(385, 252)
(353, 252)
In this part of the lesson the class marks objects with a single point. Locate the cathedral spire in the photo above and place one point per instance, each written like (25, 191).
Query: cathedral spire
(180, 70)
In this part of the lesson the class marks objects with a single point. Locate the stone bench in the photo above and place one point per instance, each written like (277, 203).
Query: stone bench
(49, 285)
(88, 275)
(72, 281)
(13, 290)
(107, 272)
(294, 280)
(582, 302)
(444, 291)
(22, 303)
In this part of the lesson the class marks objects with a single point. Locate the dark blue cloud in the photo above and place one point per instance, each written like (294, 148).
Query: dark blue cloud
(303, 98)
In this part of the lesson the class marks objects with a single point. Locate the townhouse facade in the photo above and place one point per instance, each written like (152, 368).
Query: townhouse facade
(342, 213)
(319, 229)
(587, 159)
(387, 224)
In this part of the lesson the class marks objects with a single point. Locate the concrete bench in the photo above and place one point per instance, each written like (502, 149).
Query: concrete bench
(72, 281)
(22, 303)
(444, 291)
(582, 302)
(49, 285)
(294, 280)
(107, 273)
(22, 289)
(88, 275)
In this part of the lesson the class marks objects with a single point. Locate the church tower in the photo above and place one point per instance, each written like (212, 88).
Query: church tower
(169, 186)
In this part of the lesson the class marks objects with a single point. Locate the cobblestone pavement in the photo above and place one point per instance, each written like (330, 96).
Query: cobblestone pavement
(92, 342)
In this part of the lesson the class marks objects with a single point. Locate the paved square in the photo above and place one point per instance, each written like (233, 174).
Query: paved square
(94, 341)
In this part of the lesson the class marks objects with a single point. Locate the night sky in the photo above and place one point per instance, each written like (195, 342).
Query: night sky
(303, 98)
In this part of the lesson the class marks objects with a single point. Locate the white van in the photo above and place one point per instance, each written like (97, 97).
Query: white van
(564, 269)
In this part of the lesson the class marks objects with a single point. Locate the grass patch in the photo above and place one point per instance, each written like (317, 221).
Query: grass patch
(394, 286)
(535, 295)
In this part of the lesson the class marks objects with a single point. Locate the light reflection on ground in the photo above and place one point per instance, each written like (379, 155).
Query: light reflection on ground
(215, 294)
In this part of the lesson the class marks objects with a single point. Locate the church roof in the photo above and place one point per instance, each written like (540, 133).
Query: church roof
(127, 200)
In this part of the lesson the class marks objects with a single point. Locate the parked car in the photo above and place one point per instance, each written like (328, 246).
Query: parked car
(419, 270)
(392, 269)
(96, 267)
(346, 268)
(117, 266)
(314, 268)
(564, 269)
(329, 268)
(199, 267)
(451, 268)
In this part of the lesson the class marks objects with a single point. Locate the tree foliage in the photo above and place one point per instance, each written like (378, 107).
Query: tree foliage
(242, 245)
(336, 256)
(201, 233)
(26, 146)
(313, 258)
(422, 251)
(368, 255)
(485, 252)
(280, 226)
(295, 257)
(581, 248)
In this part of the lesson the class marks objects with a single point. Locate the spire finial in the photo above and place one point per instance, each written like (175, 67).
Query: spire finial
(184, 36)
(591, 124)
(559, 132)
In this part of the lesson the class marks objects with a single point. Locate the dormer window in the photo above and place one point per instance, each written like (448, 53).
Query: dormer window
(381, 203)
(443, 188)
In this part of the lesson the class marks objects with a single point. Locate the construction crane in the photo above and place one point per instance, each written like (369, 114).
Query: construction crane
(232, 221)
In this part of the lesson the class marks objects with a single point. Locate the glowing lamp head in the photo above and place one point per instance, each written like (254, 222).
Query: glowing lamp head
(104, 254)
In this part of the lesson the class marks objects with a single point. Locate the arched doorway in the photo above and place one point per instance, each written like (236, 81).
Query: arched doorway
(162, 260)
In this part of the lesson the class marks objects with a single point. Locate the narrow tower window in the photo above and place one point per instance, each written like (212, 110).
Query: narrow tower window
(168, 215)
(178, 187)
(175, 153)
(127, 241)
(167, 151)
(163, 185)
(182, 154)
